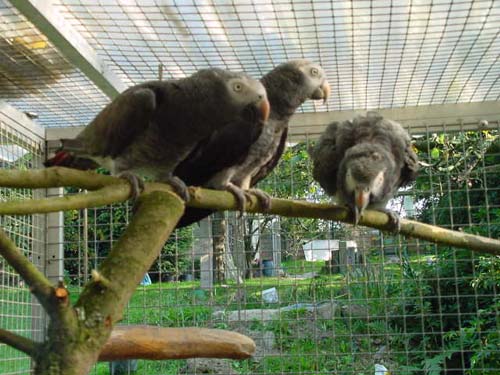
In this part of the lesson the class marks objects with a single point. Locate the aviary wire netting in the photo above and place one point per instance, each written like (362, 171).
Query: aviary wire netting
(321, 297)
(20, 148)
(317, 297)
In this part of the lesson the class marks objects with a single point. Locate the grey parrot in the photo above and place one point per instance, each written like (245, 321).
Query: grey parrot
(288, 86)
(363, 162)
(151, 128)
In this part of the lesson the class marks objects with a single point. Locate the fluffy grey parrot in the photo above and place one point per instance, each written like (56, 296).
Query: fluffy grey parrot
(152, 127)
(288, 86)
(363, 162)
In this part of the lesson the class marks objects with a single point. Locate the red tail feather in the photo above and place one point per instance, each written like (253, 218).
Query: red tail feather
(61, 158)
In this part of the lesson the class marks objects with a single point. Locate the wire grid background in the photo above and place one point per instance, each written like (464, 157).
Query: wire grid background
(342, 316)
(376, 54)
(19, 311)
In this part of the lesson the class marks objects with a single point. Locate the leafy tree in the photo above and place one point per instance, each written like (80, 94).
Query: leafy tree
(456, 189)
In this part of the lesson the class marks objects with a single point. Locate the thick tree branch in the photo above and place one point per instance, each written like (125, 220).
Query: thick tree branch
(103, 299)
(220, 200)
(39, 285)
(20, 343)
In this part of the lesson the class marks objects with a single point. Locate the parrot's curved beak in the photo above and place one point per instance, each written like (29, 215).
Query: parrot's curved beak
(322, 92)
(361, 200)
(264, 109)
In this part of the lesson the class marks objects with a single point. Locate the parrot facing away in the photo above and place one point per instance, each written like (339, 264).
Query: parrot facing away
(151, 128)
(363, 162)
(288, 86)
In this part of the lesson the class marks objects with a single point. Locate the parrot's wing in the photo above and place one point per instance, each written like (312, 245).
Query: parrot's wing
(327, 156)
(120, 122)
(271, 164)
(223, 149)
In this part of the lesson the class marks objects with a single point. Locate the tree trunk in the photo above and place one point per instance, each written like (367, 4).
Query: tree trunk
(219, 245)
(76, 334)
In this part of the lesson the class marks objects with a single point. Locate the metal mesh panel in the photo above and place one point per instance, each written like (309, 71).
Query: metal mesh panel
(422, 53)
(376, 54)
(35, 77)
(19, 311)
(374, 299)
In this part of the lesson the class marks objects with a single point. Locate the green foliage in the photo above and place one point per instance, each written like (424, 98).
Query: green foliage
(292, 179)
(173, 259)
(453, 185)
(453, 298)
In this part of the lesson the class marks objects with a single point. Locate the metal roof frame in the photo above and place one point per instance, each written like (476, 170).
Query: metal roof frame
(442, 53)
(70, 43)
(418, 119)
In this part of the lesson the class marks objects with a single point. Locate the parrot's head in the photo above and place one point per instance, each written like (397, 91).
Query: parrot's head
(249, 94)
(231, 93)
(292, 83)
(316, 85)
(366, 173)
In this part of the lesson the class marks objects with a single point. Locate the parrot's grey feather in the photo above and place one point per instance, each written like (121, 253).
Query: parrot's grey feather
(288, 86)
(368, 152)
(224, 148)
(115, 127)
(271, 164)
(153, 127)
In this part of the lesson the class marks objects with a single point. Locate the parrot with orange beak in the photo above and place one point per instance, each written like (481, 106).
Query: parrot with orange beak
(363, 162)
(153, 127)
(288, 86)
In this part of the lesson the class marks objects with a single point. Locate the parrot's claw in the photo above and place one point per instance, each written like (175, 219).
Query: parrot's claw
(239, 195)
(394, 220)
(136, 184)
(263, 197)
(179, 187)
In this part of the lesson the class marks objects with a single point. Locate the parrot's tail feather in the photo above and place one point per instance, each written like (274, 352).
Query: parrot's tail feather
(193, 215)
(66, 159)
(60, 159)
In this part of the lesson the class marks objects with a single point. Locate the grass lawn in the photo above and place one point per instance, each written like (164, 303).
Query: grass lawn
(15, 315)
(304, 342)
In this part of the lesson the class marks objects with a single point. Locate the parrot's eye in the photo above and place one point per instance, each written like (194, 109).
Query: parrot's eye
(314, 71)
(237, 87)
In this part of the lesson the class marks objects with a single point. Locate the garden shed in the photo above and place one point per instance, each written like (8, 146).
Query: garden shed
(406, 306)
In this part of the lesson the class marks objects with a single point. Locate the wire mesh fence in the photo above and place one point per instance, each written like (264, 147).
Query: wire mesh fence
(318, 297)
(376, 54)
(321, 297)
(20, 313)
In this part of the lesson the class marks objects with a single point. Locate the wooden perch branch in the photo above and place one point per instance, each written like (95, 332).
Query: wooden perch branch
(101, 197)
(218, 200)
(54, 177)
(148, 342)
